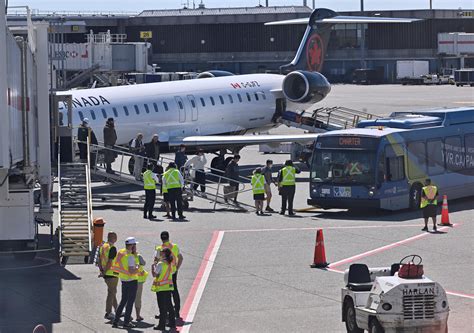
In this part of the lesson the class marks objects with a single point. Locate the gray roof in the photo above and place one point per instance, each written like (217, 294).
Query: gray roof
(227, 11)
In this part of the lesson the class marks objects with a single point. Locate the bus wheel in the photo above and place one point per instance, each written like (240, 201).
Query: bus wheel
(375, 327)
(415, 196)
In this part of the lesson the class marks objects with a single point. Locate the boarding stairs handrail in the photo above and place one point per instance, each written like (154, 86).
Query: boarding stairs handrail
(215, 187)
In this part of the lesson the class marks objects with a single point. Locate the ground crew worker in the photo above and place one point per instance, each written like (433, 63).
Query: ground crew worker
(258, 189)
(177, 262)
(142, 275)
(149, 184)
(125, 265)
(429, 203)
(173, 181)
(267, 173)
(163, 287)
(107, 254)
(287, 186)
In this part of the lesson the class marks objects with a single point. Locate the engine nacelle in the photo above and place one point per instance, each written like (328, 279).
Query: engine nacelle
(305, 87)
(213, 73)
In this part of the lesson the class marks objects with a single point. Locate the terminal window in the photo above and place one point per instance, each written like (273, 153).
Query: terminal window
(125, 110)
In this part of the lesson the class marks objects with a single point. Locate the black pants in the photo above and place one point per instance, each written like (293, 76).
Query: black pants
(150, 197)
(287, 196)
(82, 151)
(166, 310)
(200, 180)
(176, 298)
(175, 195)
(129, 292)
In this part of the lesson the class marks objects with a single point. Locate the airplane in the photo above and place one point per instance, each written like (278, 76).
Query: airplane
(217, 109)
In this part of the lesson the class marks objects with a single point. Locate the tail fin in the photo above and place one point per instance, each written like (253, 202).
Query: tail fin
(313, 46)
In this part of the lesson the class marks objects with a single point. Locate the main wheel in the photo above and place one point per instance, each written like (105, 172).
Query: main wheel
(375, 327)
(350, 318)
(415, 197)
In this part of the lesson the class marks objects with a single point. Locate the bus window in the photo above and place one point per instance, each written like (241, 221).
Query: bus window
(454, 153)
(81, 115)
(416, 160)
(469, 140)
(395, 169)
(434, 153)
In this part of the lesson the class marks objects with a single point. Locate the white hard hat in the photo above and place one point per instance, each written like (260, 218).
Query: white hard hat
(131, 241)
(85, 120)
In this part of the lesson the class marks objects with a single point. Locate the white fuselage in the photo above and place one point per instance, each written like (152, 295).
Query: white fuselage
(177, 109)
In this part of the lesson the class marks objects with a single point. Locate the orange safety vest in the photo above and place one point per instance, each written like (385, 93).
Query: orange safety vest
(173, 248)
(164, 282)
(120, 265)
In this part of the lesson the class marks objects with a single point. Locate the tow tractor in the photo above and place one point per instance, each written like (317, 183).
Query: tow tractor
(399, 298)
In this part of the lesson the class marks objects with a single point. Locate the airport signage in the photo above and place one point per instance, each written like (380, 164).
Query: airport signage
(146, 34)
(347, 142)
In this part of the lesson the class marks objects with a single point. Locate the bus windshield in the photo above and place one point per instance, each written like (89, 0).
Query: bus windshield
(339, 166)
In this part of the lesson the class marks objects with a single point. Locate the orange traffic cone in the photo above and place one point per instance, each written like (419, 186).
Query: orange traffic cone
(319, 260)
(445, 213)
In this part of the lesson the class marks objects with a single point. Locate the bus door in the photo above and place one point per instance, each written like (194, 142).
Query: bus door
(394, 188)
(181, 109)
(194, 108)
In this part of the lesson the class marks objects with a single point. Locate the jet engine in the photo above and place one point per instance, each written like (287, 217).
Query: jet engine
(214, 73)
(305, 87)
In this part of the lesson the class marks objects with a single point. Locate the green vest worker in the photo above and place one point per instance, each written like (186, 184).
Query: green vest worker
(163, 287)
(287, 186)
(173, 182)
(149, 184)
(429, 203)
(107, 254)
(258, 189)
(127, 269)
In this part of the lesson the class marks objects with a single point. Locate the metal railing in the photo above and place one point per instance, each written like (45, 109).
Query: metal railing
(59, 198)
(89, 199)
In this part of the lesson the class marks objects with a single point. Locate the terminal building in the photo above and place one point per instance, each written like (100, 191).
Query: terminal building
(236, 39)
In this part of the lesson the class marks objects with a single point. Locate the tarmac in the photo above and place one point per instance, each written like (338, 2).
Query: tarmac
(249, 273)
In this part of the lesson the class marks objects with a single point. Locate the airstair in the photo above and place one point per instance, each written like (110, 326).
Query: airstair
(216, 185)
(325, 119)
(75, 211)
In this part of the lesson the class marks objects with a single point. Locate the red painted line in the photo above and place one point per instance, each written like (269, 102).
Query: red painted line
(316, 228)
(197, 280)
(381, 249)
(455, 293)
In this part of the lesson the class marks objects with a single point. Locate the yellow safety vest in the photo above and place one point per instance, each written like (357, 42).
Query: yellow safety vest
(148, 181)
(288, 176)
(430, 193)
(258, 183)
(172, 179)
(104, 258)
(174, 250)
(120, 265)
(142, 274)
(164, 189)
(164, 281)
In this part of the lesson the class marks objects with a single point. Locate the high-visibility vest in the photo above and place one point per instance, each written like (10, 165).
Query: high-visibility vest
(288, 176)
(142, 274)
(104, 258)
(430, 193)
(164, 189)
(148, 181)
(172, 179)
(174, 250)
(164, 280)
(120, 265)
(354, 169)
(258, 183)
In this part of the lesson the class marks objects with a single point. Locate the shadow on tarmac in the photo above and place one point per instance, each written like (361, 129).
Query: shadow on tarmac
(31, 291)
(395, 216)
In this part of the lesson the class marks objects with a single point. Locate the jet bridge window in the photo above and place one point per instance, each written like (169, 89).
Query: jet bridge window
(248, 97)
(155, 106)
(92, 114)
(239, 97)
(114, 110)
(231, 100)
(125, 110)
(147, 110)
(104, 113)
(137, 110)
(81, 115)
(212, 100)
(202, 102)
(165, 105)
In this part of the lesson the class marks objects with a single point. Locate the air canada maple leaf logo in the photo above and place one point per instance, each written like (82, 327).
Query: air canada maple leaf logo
(314, 53)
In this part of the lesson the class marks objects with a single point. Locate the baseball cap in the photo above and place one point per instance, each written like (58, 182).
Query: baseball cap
(131, 241)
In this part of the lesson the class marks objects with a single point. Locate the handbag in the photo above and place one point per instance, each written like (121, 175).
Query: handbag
(411, 271)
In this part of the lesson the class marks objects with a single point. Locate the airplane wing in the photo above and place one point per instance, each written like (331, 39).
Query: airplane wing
(347, 19)
(242, 140)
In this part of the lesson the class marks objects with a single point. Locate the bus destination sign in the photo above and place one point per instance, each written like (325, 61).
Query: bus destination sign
(346, 142)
